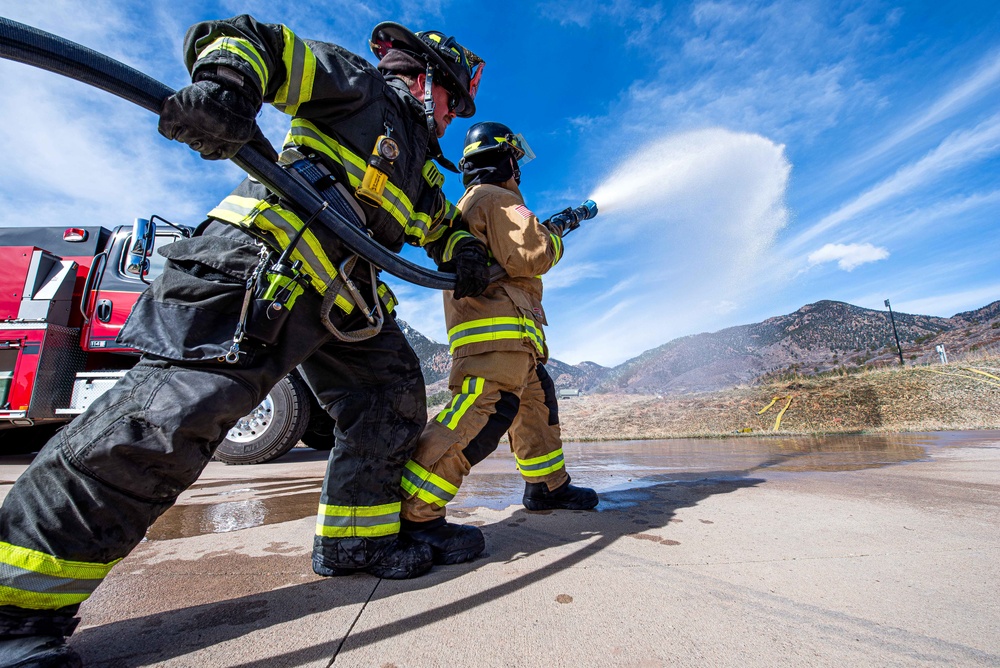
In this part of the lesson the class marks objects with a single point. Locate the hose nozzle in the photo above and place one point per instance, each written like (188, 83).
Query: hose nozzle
(569, 218)
(585, 211)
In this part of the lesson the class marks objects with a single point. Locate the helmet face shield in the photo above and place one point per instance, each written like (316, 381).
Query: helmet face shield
(490, 141)
(522, 151)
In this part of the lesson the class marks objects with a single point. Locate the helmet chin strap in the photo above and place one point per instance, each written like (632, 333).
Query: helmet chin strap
(517, 170)
(429, 100)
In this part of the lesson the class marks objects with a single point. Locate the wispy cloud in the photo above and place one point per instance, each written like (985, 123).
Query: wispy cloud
(960, 149)
(970, 89)
(848, 256)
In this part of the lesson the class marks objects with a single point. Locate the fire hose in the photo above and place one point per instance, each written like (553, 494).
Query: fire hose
(31, 46)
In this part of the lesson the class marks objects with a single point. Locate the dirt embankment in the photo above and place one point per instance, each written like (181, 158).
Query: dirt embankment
(926, 398)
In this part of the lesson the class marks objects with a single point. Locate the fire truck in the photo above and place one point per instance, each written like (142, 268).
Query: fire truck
(65, 292)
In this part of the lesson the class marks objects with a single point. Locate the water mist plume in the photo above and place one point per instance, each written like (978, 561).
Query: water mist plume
(694, 218)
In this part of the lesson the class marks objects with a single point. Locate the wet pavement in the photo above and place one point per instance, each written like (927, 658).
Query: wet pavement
(863, 550)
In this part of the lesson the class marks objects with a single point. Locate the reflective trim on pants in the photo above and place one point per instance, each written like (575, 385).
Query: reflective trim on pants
(39, 581)
(428, 487)
(358, 521)
(472, 387)
(536, 467)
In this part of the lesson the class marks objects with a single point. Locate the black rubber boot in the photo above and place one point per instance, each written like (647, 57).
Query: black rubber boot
(565, 497)
(38, 652)
(393, 559)
(451, 543)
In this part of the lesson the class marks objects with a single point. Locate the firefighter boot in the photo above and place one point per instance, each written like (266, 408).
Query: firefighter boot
(390, 557)
(451, 543)
(38, 652)
(565, 497)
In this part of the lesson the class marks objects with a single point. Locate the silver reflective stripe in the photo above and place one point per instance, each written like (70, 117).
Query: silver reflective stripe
(229, 205)
(427, 485)
(296, 75)
(357, 520)
(25, 580)
(353, 170)
(487, 329)
(399, 208)
(312, 261)
(541, 465)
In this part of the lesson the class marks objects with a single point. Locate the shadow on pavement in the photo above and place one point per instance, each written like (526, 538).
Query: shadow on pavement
(627, 512)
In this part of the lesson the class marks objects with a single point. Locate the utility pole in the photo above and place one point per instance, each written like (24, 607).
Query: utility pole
(895, 333)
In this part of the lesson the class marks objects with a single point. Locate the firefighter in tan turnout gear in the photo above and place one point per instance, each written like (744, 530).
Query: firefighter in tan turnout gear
(88, 497)
(498, 378)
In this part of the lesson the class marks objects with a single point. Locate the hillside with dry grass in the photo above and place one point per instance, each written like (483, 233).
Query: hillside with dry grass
(959, 395)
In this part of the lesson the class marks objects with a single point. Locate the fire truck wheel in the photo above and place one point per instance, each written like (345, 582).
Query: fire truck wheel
(271, 429)
(319, 434)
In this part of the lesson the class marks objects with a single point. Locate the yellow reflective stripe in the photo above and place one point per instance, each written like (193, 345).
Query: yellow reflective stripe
(390, 303)
(38, 581)
(557, 244)
(449, 249)
(358, 521)
(282, 225)
(495, 329)
(537, 467)
(309, 249)
(427, 486)
(246, 51)
(300, 73)
(394, 201)
(472, 387)
(236, 210)
(431, 174)
(247, 212)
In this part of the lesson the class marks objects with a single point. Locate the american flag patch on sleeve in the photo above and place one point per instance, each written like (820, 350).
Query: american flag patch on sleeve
(524, 211)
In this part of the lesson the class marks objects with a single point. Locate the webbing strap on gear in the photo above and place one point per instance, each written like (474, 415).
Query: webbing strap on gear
(374, 315)
(333, 193)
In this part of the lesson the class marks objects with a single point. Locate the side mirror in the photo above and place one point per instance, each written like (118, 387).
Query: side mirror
(143, 235)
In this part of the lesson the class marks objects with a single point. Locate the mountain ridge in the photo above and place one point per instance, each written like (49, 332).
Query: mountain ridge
(820, 337)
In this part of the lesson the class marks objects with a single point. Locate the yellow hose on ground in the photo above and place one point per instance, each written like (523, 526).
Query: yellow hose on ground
(777, 422)
(959, 375)
(990, 375)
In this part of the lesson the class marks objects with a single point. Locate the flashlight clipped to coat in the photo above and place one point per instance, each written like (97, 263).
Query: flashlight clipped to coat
(569, 218)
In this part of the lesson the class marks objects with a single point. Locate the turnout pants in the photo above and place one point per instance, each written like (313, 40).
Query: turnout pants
(88, 497)
(493, 393)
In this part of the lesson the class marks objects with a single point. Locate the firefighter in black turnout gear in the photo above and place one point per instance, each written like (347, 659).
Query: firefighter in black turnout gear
(209, 355)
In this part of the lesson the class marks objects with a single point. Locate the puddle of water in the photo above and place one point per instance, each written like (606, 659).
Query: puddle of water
(619, 470)
(184, 521)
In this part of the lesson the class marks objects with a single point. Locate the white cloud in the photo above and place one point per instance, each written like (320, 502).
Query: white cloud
(848, 256)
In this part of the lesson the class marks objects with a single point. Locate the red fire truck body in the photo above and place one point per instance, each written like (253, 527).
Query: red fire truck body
(64, 295)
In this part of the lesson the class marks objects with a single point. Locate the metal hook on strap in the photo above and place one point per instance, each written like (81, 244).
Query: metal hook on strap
(374, 315)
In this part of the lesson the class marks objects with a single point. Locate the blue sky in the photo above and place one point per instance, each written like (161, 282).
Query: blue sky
(748, 158)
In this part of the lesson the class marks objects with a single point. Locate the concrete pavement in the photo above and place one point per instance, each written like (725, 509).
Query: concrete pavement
(760, 564)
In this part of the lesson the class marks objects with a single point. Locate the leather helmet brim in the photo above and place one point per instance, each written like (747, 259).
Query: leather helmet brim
(401, 37)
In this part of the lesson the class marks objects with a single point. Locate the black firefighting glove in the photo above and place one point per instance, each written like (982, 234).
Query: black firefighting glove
(215, 115)
(472, 274)
(562, 223)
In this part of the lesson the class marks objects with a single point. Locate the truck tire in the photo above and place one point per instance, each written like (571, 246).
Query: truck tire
(319, 433)
(271, 429)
